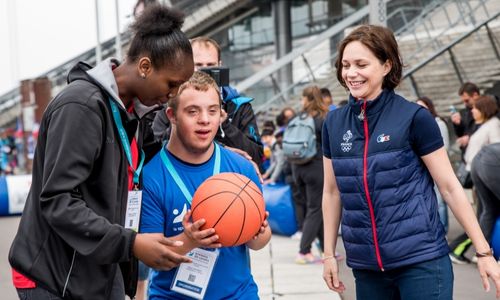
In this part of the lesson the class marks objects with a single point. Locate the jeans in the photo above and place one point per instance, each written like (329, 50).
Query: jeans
(37, 293)
(429, 280)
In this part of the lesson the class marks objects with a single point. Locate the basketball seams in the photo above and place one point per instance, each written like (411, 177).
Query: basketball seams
(252, 187)
(231, 186)
(244, 211)
(243, 223)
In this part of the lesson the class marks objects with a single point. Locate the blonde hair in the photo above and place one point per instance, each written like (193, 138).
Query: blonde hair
(200, 81)
(206, 41)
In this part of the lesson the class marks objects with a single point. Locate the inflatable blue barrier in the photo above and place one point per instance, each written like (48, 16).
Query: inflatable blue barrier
(495, 239)
(13, 192)
(279, 203)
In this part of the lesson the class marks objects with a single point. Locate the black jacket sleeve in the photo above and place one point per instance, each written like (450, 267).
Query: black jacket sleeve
(241, 132)
(74, 138)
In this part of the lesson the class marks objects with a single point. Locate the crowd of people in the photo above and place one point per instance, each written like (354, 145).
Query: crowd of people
(9, 151)
(123, 147)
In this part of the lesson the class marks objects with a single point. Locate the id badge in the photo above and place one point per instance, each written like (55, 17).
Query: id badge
(191, 279)
(133, 214)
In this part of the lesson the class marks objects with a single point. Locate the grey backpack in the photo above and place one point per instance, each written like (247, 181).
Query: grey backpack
(299, 139)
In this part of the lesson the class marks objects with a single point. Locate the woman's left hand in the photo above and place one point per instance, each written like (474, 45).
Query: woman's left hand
(489, 269)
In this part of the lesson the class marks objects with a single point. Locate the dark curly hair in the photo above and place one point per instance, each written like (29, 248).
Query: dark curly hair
(157, 34)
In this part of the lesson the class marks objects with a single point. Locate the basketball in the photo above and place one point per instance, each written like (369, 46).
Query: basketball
(232, 204)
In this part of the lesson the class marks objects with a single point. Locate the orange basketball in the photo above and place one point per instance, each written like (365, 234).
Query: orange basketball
(232, 204)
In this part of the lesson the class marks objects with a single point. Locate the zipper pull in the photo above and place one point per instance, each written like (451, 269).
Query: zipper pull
(361, 115)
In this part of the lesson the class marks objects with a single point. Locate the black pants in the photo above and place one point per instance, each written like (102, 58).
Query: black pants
(299, 203)
(309, 180)
(37, 293)
(485, 176)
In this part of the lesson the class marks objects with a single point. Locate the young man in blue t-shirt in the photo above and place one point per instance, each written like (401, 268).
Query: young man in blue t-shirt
(170, 180)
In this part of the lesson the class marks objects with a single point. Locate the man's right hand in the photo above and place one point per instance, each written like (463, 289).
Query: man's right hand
(151, 249)
(456, 118)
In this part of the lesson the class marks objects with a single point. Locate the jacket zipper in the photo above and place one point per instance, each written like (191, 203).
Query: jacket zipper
(363, 116)
(69, 273)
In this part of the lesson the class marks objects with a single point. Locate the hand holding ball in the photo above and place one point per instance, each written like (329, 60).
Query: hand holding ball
(232, 204)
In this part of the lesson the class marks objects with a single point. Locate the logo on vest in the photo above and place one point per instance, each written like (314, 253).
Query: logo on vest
(383, 138)
(346, 146)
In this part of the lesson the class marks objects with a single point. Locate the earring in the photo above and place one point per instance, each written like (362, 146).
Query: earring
(143, 76)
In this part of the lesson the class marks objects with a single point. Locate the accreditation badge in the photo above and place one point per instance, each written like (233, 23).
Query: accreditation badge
(191, 279)
(133, 214)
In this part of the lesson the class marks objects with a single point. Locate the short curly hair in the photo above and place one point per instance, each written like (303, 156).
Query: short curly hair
(382, 43)
(200, 81)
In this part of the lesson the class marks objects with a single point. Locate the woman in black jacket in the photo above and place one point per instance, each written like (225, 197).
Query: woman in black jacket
(77, 238)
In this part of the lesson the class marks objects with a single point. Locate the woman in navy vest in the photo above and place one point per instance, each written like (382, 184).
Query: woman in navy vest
(382, 155)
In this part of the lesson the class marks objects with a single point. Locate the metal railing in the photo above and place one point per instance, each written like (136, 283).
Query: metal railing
(448, 49)
(425, 38)
(280, 97)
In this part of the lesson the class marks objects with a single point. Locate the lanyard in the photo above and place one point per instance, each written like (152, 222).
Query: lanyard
(125, 142)
(177, 178)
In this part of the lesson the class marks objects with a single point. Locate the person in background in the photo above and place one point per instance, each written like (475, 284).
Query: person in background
(275, 171)
(267, 139)
(309, 178)
(382, 155)
(327, 98)
(484, 112)
(299, 202)
(285, 116)
(443, 129)
(77, 238)
(170, 180)
(463, 121)
(487, 131)
(484, 172)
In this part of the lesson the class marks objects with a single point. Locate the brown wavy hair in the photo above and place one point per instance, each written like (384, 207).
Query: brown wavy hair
(315, 106)
(382, 43)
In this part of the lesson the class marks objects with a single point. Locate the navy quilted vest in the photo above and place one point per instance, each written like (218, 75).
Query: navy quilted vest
(389, 216)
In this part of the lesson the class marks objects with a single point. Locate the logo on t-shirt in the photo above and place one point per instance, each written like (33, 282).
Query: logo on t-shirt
(346, 146)
(179, 218)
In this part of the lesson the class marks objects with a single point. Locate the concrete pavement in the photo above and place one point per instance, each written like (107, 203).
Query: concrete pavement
(276, 273)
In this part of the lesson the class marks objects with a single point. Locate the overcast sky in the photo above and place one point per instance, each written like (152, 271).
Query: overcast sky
(38, 35)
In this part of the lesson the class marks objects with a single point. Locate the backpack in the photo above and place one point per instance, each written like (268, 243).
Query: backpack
(299, 139)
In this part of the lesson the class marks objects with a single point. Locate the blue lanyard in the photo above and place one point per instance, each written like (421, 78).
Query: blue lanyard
(125, 142)
(177, 178)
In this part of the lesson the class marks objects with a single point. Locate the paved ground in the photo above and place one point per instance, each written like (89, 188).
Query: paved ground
(277, 275)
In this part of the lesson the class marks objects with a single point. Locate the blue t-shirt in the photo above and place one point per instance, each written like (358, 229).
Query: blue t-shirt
(163, 208)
